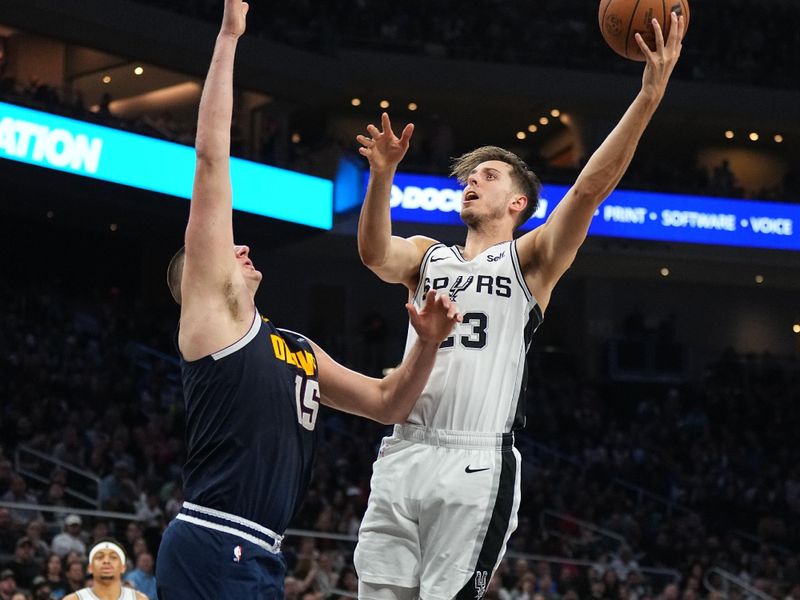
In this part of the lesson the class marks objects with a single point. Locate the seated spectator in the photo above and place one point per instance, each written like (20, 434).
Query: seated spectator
(142, 577)
(23, 566)
(8, 584)
(76, 576)
(41, 589)
(40, 548)
(54, 575)
(55, 497)
(18, 492)
(118, 491)
(8, 538)
(70, 539)
(6, 471)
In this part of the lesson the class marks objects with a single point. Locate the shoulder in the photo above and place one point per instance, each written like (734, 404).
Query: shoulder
(422, 243)
(140, 596)
(73, 596)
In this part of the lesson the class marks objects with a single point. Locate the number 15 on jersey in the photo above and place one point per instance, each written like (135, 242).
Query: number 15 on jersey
(307, 396)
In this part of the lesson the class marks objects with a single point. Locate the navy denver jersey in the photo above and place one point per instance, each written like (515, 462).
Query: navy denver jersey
(251, 409)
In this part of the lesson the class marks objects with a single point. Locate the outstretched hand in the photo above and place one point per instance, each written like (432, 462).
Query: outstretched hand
(662, 60)
(383, 149)
(437, 318)
(234, 18)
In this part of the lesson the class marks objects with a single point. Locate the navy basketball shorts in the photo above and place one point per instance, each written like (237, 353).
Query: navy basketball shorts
(196, 562)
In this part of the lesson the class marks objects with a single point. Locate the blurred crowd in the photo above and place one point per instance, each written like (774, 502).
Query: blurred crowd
(557, 33)
(93, 384)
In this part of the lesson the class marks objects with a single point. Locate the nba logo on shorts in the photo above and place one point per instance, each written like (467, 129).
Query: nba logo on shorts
(237, 554)
(481, 581)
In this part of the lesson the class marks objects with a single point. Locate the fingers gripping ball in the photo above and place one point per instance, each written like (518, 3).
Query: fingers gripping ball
(621, 20)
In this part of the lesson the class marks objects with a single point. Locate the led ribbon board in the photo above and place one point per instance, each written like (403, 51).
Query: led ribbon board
(624, 214)
(81, 148)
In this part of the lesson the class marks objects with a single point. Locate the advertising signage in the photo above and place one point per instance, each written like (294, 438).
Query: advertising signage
(138, 161)
(624, 214)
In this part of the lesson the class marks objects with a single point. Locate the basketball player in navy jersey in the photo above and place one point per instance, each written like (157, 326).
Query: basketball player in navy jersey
(445, 487)
(252, 391)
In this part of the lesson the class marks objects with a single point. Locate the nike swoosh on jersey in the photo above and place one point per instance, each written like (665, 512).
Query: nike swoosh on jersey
(470, 470)
(438, 259)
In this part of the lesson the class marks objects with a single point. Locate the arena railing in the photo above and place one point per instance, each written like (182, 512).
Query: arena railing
(38, 466)
(532, 450)
(729, 582)
(85, 512)
(589, 535)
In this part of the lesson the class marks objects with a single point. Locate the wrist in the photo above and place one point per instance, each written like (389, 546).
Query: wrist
(651, 95)
(383, 171)
(428, 344)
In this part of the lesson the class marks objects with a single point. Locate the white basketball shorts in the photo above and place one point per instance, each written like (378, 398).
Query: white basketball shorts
(442, 507)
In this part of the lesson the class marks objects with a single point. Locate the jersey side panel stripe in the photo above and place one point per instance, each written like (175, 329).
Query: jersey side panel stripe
(423, 264)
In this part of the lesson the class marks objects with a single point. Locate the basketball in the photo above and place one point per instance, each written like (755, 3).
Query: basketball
(621, 20)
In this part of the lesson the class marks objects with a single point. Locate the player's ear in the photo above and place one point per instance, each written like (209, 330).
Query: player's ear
(519, 202)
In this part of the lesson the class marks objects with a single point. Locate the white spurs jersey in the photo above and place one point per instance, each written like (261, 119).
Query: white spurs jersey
(479, 378)
(87, 594)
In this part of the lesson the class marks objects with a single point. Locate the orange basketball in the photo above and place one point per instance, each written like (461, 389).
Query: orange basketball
(621, 20)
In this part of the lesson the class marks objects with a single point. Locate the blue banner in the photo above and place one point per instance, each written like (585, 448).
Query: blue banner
(624, 214)
(81, 148)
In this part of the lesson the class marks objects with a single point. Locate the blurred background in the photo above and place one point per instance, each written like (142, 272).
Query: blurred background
(660, 455)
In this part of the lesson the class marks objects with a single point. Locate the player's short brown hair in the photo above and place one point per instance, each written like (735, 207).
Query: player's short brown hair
(175, 273)
(525, 179)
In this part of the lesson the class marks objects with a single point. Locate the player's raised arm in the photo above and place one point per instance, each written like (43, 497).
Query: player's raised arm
(392, 258)
(209, 234)
(389, 400)
(548, 251)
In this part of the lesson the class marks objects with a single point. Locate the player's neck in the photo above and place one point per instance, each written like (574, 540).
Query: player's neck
(479, 239)
(111, 590)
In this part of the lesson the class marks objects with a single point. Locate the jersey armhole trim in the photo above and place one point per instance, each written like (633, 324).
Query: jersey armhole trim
(422, 266)
(243, 341)
(520, 276)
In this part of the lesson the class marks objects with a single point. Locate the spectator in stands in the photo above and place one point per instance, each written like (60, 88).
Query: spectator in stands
(624, 563)
(55, 497)
(70, 539)
(142, 577)
(133, 532)
(100, 531)
(18, 492)
(6, 471)
(54, 574)
(76, 576)
(40, 548)
(23, 565)
(70, 449)
(8, 537)
(8, 584)
(41, 589)
(148, 510)
(118, 491)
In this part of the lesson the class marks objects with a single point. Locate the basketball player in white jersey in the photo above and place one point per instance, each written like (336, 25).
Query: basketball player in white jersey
(445, 486)
(106, 564)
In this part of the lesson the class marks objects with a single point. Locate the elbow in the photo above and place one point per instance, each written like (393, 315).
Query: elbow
(393, 417)
(592, 193)
(393, 412)
(370, 258)
(209, 153)
(207, 158)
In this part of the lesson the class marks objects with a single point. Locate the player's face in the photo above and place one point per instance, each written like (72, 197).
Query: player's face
(106, 565)
(487, 193)
(251, 275)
